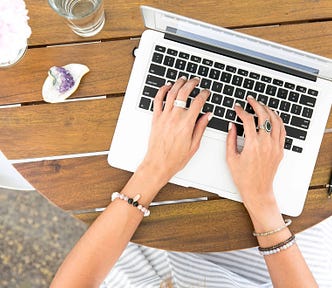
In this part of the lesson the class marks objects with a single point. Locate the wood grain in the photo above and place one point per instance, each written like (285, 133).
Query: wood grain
(209, 226)
(123, 18)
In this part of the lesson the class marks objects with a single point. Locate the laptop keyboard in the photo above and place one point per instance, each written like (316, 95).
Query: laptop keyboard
(229, 84)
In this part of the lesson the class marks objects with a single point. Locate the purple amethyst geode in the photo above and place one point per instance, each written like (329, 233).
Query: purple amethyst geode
(62, 78)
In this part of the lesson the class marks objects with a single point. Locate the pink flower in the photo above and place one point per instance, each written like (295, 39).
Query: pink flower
(14, 28)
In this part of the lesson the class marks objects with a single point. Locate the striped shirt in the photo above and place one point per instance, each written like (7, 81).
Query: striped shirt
(144, 267)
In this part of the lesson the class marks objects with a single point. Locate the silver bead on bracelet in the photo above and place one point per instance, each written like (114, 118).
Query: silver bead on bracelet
(132, 201)
(287, 223)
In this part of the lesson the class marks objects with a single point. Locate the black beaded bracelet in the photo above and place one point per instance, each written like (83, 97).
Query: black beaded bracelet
(132, 201)
(274, 247)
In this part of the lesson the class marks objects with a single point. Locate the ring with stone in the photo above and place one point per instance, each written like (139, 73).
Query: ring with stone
(267, 126)
(180, 103)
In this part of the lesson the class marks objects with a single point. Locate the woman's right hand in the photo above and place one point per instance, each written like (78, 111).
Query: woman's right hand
(253, 169)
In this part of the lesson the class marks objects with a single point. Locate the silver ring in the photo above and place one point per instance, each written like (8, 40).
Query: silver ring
(180, 103)
(267, 126)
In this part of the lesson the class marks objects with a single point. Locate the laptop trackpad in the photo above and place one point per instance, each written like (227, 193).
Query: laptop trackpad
(208, 168)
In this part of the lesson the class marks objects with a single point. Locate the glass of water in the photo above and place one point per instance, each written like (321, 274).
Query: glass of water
(85, 17)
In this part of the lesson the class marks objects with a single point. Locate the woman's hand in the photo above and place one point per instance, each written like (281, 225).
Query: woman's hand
(254, 168)
(175, 133)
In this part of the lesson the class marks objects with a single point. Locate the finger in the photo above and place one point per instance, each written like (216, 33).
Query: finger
(173, 92)
(199, 130)
(197, 104)
(187, 88)
(231, 143)
(259, 110)
(248, 121)
(275, 124)
(159, 98)
(282, 133)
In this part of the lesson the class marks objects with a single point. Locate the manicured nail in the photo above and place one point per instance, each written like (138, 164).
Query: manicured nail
(210, 116)
(183, 78)
(250, 97)
(238, 104)
(169, 84)
(261, 103)
(197, 78)
(230, 126)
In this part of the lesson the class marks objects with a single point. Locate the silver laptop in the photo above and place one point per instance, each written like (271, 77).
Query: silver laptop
(296, 84)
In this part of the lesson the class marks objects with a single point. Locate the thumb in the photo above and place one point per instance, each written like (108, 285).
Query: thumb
(231, 147)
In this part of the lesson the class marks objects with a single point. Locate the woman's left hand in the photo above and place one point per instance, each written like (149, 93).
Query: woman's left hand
(175, 133)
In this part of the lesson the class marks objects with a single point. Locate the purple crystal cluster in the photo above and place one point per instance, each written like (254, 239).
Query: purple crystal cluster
(62, 79)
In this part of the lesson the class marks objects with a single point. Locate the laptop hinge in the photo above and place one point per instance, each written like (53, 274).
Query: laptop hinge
(242, 57)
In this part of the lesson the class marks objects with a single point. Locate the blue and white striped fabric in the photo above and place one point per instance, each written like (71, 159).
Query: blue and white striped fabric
(144, 267)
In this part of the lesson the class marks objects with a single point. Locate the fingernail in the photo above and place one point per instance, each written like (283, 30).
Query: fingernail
(250, 97)
(183, 77)
(230, 126)
(261, 103)
(238, 104)
(197, 78)
(210, 116)
(169, 84)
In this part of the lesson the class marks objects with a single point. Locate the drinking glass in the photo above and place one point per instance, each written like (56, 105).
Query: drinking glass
(85, 17)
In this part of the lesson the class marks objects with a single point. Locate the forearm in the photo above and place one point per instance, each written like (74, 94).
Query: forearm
(288, 267)
(101, 246)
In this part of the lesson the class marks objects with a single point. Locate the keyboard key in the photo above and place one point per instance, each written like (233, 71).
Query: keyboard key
(239, 93)
(237, 80)
(312, 92)
(273, 103)
(155, 81)
(249, 109)
(242, 72)
(206, 83)
(169, 61)
(180, 64)
(216, 87)
(219, 111)
(172, 74)
(254, 75)
(297, 149)
(219, 65)
(252, 94)
(295, 133)
(278, 82)
(239, 129)
(183, 74)
(214, 74)
(266, 79)
(289, 86)
(301, 89)
(307, 112)
(145, 103)
(216, 98)
(288, 143)
(230, 114)
(172, 52)
(228, 90)
(271, 90)
(287, 146)
(219, 124)
(189, 99)
(184, 55)
(282, 93)
(207, 108)
(195, 59)
(149, 91)
(300, 122)
(191, 67)
(228, 102)
(207, 62)
(157, 69)
(284, 106)
(293, 96)
(307, 100)
(242, 103)
(226, 77)
(194, 93)
(259, 87)
(248, 83)
(230, 68)
(157, 58)
(160, 48)
(203, 70)
(285, 117)
(262, 98)
(296, 109)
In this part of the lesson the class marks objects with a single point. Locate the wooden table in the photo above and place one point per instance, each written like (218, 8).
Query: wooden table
(37, 130)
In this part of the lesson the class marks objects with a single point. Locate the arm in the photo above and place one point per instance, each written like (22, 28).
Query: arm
(253, 171)
(175, 137)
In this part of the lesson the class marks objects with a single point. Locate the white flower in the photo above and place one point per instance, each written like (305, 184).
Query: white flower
(14, 28)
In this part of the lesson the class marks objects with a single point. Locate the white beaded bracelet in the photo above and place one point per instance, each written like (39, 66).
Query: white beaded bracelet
(132, 201)
(279, 249)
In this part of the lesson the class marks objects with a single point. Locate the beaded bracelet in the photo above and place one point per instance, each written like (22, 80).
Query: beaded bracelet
(287, 223)
(132, 201)
(278, 247)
